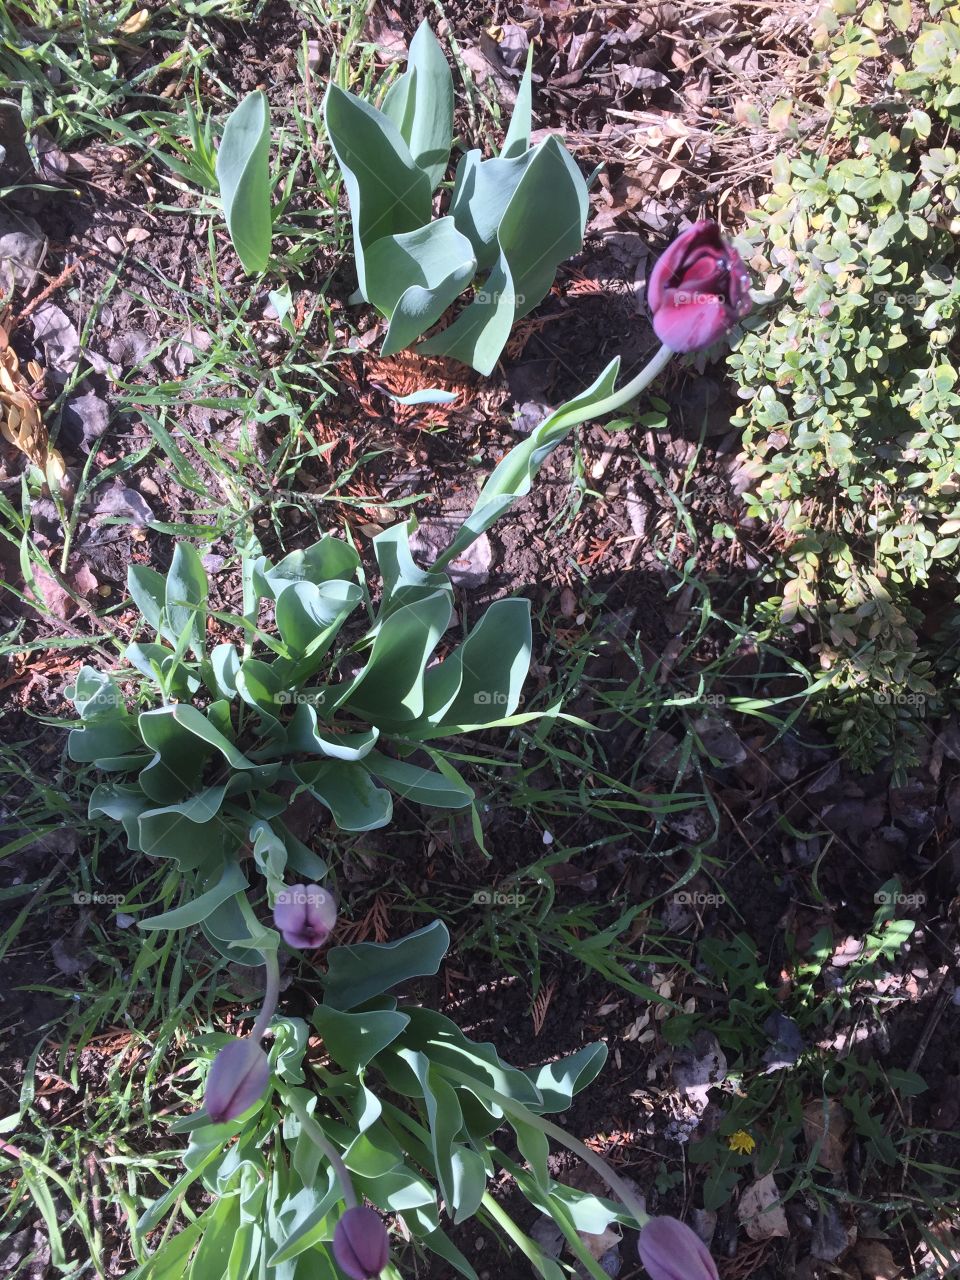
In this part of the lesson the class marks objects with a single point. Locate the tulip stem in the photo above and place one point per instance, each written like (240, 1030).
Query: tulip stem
(613, 1180)
(271, 995)
(617, 399)
(320, 1139)
(530, 1250)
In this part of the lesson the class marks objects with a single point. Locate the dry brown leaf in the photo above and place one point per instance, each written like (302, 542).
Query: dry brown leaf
(826, 1125)
(600, 1243)
(136, 23)
(669, 178)
(875, 1260)
(761, 1212)
(20, 422)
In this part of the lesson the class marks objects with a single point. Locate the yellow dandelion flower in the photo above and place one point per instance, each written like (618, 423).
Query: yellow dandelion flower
(742, 1142)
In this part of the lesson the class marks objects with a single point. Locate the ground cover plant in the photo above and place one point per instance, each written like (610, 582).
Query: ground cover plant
(433, 842)
(854, 432)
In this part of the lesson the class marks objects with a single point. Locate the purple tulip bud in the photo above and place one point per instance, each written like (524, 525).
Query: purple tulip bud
(239, 1076)
(670, 1250)
(698, 290)
(305, 915)
(361, 1245)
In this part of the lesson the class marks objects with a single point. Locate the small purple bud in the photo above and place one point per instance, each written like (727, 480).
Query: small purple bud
(305, 915)
(361, 1245)
(239, 1076)
(670, 1250)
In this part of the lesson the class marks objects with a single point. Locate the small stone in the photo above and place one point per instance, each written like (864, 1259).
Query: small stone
(137, 235)
(114, 245)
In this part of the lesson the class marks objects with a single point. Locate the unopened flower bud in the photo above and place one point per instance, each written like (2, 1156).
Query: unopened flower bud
(670, 1250)
(305, 915)
(361, 1245)
(239, 1076)
(698, 290)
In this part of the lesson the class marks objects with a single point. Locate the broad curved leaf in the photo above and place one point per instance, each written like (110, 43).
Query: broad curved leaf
(422, 786)
(357, 973)
(542, 225)
(243, 172)
(388, 193)
(232, 880)
(413, 278)
(348, 791)
(420, 104)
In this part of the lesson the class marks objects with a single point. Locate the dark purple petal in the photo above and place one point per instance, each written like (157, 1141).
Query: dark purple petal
(361, 1245)
(305, 915)
(672, 262)
(239, 1076)
(670, 1250)
(690, 326)
(698, 289)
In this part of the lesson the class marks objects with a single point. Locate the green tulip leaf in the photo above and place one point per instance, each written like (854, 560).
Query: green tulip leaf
(348, 791)
(304, 733)
(186, 598)
(356, 974)
(512, 477)
(354, 1039)
(231, 881)
(388, 193)
(243, 173)
(543, 224)
(480, 682)
(389, 689)
(412, 278)
(420, 105)
(419, 785)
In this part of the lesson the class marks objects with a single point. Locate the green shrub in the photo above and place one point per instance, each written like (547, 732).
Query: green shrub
(850, 385)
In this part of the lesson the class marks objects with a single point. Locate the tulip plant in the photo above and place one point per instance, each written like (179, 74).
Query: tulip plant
(375, 1100)
(398, 1105)
(204, 777)
(512, 219)
(698, 291)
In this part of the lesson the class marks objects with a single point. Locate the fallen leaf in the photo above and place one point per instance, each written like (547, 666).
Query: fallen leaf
(52, 595)
(597, 1244)
(55, 332)
(87, 417)
(825, 1123)
(831, 1238)
(875, 1260)
(21, 423)
(849, 949)
(761, 1212)
(699, 1066)
(21, 251)
(136, 23)
(118, 500)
